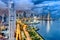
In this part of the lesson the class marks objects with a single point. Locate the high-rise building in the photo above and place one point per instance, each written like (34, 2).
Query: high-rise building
(12, 20)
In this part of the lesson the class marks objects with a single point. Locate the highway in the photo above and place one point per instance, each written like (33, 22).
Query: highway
(26, 33)
(18, 31)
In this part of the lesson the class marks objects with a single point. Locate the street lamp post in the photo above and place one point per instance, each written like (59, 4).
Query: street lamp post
(12, 19)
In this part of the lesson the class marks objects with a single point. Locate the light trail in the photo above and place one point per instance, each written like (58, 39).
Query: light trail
(18, 31)
(26, 33)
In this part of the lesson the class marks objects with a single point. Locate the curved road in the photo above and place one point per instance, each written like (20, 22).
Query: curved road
(18, 31)
(26, 33)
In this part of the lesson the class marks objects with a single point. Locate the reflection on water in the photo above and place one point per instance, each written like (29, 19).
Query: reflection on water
(48, 26)
(50, 30)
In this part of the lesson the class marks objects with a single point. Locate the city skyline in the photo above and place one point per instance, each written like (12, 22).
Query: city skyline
(46, 6)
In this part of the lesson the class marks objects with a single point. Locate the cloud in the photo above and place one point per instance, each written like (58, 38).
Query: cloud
(23, 4)
(48, 3)
(2, 5)
(19, 4)
(50, 6)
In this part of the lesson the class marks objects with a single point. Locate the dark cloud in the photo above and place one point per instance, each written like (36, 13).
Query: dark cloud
(49, 5)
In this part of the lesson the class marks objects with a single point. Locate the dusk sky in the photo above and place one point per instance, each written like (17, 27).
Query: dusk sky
(53, 6)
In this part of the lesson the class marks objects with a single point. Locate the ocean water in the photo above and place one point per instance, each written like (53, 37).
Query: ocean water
(50, 30)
